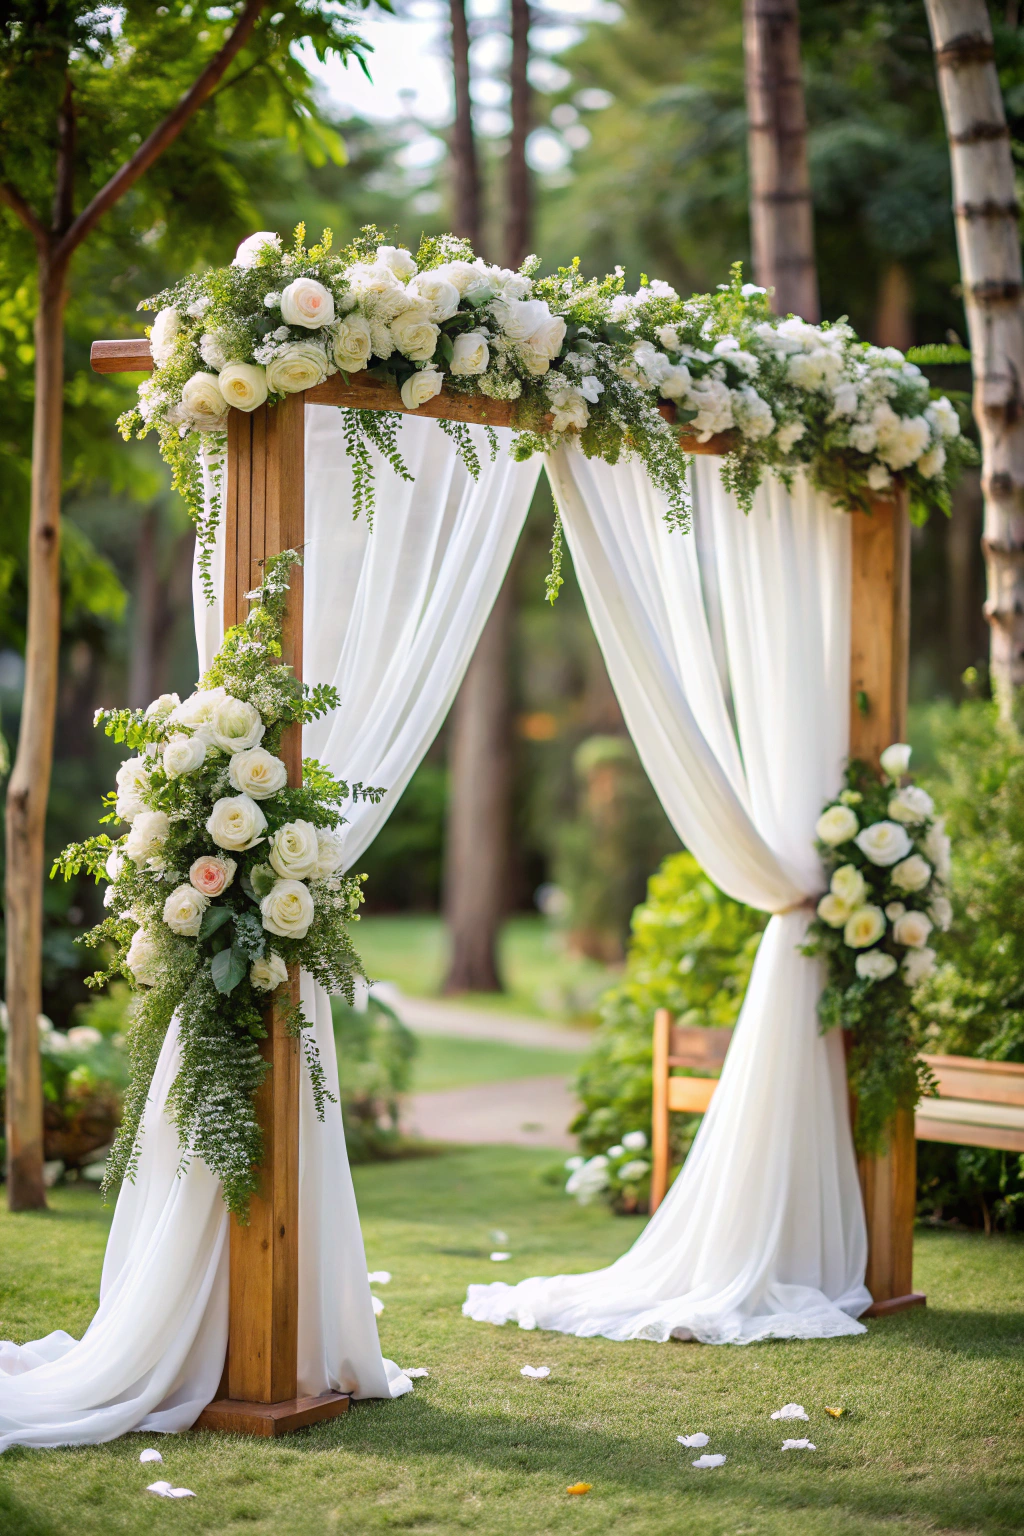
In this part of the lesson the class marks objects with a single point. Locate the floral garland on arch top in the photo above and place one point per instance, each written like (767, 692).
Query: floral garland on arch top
(582, 358)
(225, 877)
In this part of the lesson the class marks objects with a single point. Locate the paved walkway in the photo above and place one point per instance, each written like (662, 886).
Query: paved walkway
(435, 1016)
(528, 1112)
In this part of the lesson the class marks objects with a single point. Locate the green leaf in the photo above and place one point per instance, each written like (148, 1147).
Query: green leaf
(446, 347)
(214, 918)
(228, 968)
(262, 879)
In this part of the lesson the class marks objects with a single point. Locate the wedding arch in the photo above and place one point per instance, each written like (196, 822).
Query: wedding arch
(815, 605)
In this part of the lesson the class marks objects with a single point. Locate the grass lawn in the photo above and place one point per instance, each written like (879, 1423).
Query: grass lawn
(542, 980)
(933, 1439)
(451, 1061)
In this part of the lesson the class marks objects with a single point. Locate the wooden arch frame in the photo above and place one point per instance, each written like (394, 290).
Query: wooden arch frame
(264, 514)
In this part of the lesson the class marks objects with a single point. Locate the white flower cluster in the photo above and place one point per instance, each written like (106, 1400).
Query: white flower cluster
(909, 850)
(617, 1169)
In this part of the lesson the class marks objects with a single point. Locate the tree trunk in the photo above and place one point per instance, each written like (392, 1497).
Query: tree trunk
(518, 232)
(988, 243)
(781, 213)
(465, 167)
(894, 317)
(30, 777)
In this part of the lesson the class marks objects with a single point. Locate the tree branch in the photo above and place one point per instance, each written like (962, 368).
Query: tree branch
(21, 210)
(165, 133)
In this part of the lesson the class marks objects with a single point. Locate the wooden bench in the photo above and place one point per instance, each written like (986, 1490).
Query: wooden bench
(980, 1103)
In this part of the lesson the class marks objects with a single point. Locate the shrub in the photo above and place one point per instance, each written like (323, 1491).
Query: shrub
(375, 1054)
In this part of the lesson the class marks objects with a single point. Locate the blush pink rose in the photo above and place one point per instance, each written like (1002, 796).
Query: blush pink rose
(212, 874)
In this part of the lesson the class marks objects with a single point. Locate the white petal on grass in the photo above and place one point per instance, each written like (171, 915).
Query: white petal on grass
(499, 1237)
(150, 1455)
(709, 1461)
(538, 1372)
(798, 1445)
(696, 1441)
(790, 1411)
(499, 1258)
(379, 1277)
(163, 1490)
(378, 1305)
(415, 1371)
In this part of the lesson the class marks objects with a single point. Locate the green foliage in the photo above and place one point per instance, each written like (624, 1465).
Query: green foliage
(375, 1056)
(691, 952)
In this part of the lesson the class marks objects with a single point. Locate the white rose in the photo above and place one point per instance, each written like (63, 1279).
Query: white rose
(371, 280)
(131, 779)
(864, 927)
(912, 929)
(236, 822)
(352, 343)
(634, 1141)
(753, 415)
(440, 296)
(268, 973)
(147, 836)
(879, 478)
(918, 965)
(184, 754)
(569, 411)
(675, 382)
(330, 855)
(937, 848)
(235, 726)
(463, 274)
(415, 335)
(299, 365)
(114, 864)
(849, 885)
(212, 353)
(397, 260)
(250, 248)
(143, 958)
(243, 385)
(932, 463)
(520, 319)
(287, 909)
(832, 910)
(940, 909)
(203, 402)
(307, 302)
(911, 804)
(836, 825)
(789, 434)
(895, 760)
(549, 336)
(163, 335)
(894, 909)
(884, 843)
(943, 419)
(257, 773)
(162, 706)
(874, 965)
(533, 360)
(421, 387)
(294, 850)
(911, 874)
(901, 439)
(470, 353)
(183, 911)
(197, 710)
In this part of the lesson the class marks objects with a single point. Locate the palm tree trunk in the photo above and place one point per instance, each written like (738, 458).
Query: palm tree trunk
(30, 776)
(988, 242)
(781, 213)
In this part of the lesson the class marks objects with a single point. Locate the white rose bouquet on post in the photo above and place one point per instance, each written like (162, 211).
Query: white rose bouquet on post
(887, 857)
(226, 880)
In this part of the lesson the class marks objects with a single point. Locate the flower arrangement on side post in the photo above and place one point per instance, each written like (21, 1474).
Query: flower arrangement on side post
(226, 877)
(887, 856)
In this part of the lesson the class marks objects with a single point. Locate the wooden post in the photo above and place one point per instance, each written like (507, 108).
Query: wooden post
(879, 651)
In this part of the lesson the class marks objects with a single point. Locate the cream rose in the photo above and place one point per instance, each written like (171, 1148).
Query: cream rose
(235, 726)
(183, 911)
(147, 836)
(440, 296)
(307, 302)
(183, 754)
(864, 927)
(329, 855)
(397, 260)
(143, 958)
(198, 708)
(162, 706)
(832, 910)
(236, 822)
(911, 805)
(243, 385)
(940, 910)
(352, 343)
(874, 965)
(849, 885)
(294, 850)
(203, 402)
(287, 909)
(251, 248)
(299, 365)
(257, 772)
(549, 336)
(470, 353)
(912, 929)
(131, 781)
(268, 973)
(918, 965)
(836, 825)
(533, 359)
(163, 335)
(884, 843)
(415, 335)
(937, 848)
(212, 873)
(895, 760)
(421, 387)
(114, 864)
(911, 874)
(520, 319)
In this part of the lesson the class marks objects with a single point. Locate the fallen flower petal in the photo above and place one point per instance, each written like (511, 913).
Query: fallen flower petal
(150, 1455)
(695, 1440)
(499, 1258)
(163, 1490)
(835, 1413)
(415, 1371)
(499, 1237)
(709, 1461)
(790, 1411)
(798, 1445)
(537, 1371)
(379, 1277)
(378, 1305)
(579, 1488)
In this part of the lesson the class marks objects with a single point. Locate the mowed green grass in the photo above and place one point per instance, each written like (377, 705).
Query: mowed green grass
(932, 1441)
(451, 1061)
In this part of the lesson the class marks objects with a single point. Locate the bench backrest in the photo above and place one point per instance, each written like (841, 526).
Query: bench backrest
(983, 1082)
(702, 1049)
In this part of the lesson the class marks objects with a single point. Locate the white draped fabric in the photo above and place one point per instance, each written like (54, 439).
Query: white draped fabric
(392, 620)
(762, 1234)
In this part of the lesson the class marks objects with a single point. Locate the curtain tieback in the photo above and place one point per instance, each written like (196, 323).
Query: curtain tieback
(809, 904)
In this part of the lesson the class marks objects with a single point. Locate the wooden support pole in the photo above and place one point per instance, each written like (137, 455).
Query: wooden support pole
(879, 652)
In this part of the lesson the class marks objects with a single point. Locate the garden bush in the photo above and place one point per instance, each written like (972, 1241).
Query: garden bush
(375, 1055)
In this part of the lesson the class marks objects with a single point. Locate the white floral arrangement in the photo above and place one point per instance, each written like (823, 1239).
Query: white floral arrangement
(621, 1174)
(583, 359)
(226, 880)
(888, 858)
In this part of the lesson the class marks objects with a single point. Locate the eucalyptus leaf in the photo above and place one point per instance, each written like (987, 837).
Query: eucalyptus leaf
(228, 968)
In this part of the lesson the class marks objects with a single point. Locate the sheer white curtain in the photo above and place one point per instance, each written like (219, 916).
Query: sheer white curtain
(392, 619)
(762, 1234)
